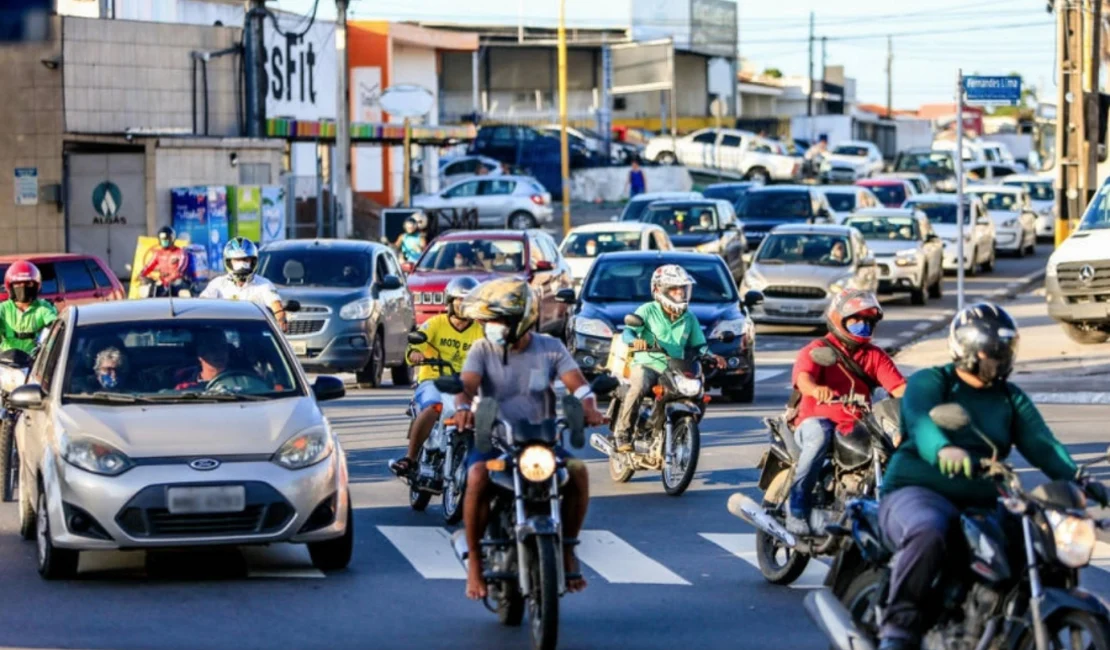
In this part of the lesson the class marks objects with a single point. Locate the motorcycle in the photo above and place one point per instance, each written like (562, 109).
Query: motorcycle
(522, 549)
(853, 469)
(984, 601)
(156, 289)
(665, 436)
(441, 467)
(14, 368)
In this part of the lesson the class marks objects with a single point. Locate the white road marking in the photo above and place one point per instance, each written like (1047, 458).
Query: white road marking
(619, 562)
(1079, 397)
(921, 327)
(742, 545)
(883, 343)
(1101, 557)
(765, 374)
(428, 550)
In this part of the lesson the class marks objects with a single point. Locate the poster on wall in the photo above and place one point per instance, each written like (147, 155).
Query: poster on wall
(273, 213)
(217, 225)
(299, 70)
(366, 96)
(26, 186)
(244, 212)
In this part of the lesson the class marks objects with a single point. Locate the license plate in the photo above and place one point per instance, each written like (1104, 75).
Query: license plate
(191, 500)
(794, 307)
(299, 347)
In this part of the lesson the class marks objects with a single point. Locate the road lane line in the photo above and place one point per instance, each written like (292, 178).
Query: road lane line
(765, 374)
(742, 545)
(428, 550)
(920, 327)
(1101, 557)
(619, 562)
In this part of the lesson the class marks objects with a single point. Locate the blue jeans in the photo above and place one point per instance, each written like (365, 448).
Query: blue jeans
(813, 436)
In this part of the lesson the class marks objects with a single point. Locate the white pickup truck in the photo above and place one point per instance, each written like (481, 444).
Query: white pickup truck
(733, 153)
(1077, 279)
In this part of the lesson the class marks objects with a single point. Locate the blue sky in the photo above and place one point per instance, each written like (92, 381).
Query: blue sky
(931, 39)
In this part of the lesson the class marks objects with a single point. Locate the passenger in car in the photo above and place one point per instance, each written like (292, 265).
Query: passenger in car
(109, 373)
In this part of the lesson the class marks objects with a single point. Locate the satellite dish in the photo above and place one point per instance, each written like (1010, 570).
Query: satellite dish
(407, 100)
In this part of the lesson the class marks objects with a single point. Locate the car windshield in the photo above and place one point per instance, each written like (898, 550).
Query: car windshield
(1038, 190)
(496, 255)
(1097, 216)
(784, 206)
(634, 208)
(179, 360)
(630, 280)
(820, 250)
(682, 219)
(841, 201)
(931, 162)
(730, 193)
(592, 244)
(850, 150)
(938, 212)
(885, 228)
(315, 267)
(1002, 201)
(889, 195)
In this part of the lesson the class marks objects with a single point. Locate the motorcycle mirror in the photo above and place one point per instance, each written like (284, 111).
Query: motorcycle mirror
(576, 421)
(950, 416)
(604, 384)
(632, 320)
(417, 338)
(823, 357)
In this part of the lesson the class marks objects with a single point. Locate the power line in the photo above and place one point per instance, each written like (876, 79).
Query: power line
(911, 34)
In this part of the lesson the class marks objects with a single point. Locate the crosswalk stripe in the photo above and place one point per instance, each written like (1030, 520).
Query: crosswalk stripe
(1101, 557)
(428, 550)
(619, 562)
(763, 374)
(742, 545)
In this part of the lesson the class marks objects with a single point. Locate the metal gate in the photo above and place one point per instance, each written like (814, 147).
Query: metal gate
(106, 206)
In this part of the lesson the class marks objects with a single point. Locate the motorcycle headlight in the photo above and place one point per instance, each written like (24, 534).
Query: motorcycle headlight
(95, 456)
(736, 326)
(687, 386)
(1074, 537)
(593, 327)
(537, 463)
(357, 310)
(907, 258)
(304, 450)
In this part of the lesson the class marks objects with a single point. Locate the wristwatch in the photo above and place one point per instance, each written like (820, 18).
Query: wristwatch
(462, 407)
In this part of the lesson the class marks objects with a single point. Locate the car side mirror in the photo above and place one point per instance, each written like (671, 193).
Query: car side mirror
(29, 397)
(544, 265)
(417, 338)
(390, 282)
(565, 296)
(15, 359)
(823, 357)
(632, 320)
(753, 298)
(615, 217)
(328, 387)
(292, 306)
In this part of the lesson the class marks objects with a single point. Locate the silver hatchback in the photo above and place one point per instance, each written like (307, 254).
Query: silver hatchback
(158, 423)
(515, 202)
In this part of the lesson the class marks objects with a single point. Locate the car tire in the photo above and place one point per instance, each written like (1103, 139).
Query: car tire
(1085, 335)
(371, 375)
(25, 499)
(10, 457)
(973, 268)
(1020, 252)
(666, 158)
(758, 175)
(988, 266)
(918, 296)
(936, 290)
(334, 554)
(401, 376)
(521, 220)
(1033, 244)
(743, 395)
(53, 563)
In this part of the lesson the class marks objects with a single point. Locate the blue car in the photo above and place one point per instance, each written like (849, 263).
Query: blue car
(618, 283)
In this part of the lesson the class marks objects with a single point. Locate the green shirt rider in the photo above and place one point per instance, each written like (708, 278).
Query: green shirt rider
(23, 315)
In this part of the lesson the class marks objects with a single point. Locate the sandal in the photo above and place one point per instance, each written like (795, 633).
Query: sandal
(402, 467)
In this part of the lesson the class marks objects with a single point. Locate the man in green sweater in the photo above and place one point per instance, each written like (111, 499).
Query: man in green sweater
(24, 315)
(931, 478)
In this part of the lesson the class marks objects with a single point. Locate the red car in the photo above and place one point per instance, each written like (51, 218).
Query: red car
(486, 254)
(70, 278)
(893, 192)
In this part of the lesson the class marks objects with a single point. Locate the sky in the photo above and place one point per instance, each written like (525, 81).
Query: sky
(931, 39)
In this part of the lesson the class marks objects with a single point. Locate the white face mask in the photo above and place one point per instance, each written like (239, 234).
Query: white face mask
(240, 265)
(496, 333)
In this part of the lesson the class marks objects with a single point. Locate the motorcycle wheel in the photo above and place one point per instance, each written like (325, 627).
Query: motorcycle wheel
(619, 470)
(455, 489)
(768, 550)
(861, 597)
(1072, 629)
(510, 607)
(686, 437)
(9, 456)
(418, 500)
(543, 605)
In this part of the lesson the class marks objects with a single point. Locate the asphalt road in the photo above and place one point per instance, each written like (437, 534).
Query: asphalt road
(664, 572)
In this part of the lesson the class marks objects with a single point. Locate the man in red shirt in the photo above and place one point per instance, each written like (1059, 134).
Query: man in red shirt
(852, 318)
(170, 261)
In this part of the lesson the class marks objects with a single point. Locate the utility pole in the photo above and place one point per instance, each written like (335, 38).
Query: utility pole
(1092, 51)
(824, 70)
(341, 174)
(254, 68)
(889, 77)
(960, 216)
(564, 147)
(809, 100)
(1070, 118)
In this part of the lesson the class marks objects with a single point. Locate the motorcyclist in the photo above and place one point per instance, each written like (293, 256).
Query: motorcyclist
(668, 324)
(24, 315)
(931, 479)
(242, 283)
(450, 336)
(411, 243)
(170, 262)
(851, 319)
(517, 367)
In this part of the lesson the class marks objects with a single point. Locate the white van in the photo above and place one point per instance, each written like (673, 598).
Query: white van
(1077, 279)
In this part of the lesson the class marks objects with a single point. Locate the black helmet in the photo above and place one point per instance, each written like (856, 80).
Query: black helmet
(166, 234)
(458, 289)
(983, 340)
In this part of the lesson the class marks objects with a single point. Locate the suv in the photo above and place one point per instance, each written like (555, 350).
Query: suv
(1077, 279)
(938, 166)
(355, 312)
(720, 235)
(70, 278)
(763, 208)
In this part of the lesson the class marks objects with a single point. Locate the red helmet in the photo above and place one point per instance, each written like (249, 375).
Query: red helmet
(853, 303)
(22, 271)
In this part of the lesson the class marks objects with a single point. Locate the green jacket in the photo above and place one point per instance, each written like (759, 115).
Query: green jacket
(1002, 412)
(674, 336)
(21, 328)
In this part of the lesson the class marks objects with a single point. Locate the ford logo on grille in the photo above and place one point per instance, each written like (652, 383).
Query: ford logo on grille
(204, 464)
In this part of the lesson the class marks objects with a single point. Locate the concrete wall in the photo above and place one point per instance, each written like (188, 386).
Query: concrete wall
(414, 65)
(123, 74)
(31, 112)
(608, 183)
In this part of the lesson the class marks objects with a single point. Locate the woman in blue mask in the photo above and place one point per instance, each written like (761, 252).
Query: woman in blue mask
(109, 369)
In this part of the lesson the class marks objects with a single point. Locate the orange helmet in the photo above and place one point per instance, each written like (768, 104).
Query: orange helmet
(22, 272)
(853, 303)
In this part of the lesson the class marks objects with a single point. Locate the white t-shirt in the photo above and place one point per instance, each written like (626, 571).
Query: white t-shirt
(258, 290)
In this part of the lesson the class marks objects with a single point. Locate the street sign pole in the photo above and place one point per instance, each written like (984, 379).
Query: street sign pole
(960, 190)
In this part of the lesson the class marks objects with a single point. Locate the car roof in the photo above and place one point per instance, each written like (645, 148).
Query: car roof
(483, 234)
(934, 197)
(884, 212)
(812, 229)
(872, 182)
(616, 226)
(916, 150)
(783, 188)
(138, 311)
(1001, 189)
(45, 257)
(323, 244)
(658, 196)
(1026, 178)
(731, 184)
(698, 201)
(839, 189)
(676, 257)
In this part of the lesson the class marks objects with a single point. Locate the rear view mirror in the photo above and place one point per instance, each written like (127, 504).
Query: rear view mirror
(823, 357)
(29, 397)
(292, 306)
(390, 283)
(327, 387)
(950, 416)
(417, 338)
(632, 320)
(565, 296)
(753, 298)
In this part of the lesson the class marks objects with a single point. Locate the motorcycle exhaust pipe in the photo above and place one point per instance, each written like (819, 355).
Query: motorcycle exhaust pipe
(751, 512)
(458, 543)
(601, 443)
(835, 621)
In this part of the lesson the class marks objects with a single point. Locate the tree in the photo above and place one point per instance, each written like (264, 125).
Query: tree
(774, 73)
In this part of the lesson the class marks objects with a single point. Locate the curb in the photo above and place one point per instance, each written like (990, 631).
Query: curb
(940, 321)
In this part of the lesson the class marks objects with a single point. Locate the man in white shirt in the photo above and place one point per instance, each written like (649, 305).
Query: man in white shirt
(241, 283)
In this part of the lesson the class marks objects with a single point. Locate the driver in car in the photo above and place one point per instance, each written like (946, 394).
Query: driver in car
(837, 254)
(213, 359)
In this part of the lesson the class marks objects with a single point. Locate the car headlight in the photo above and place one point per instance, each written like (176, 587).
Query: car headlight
(753, 281)
(826, 166)
(304, 450)
(593, 327)
(736, 326)
(947, 184)
(709, 247)
(1010, 223)
(95, 456)
(907, 258)
(537, 463)
(1074, 537)
(840, 284)
(687, 386)
(357, 310)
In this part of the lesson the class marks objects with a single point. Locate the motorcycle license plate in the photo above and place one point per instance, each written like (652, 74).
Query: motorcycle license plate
(192, 500)
(300, 348)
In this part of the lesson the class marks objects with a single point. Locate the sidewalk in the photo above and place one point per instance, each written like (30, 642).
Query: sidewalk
(1051, 367)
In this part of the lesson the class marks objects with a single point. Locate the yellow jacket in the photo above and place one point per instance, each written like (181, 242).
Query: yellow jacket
(444, 342)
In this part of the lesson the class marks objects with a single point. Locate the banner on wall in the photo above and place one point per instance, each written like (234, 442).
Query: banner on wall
(366, 97)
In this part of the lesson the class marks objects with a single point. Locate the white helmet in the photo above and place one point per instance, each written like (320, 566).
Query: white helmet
(668, 277)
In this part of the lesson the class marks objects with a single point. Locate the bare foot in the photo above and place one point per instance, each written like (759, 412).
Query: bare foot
(475, 584)
(570, 566)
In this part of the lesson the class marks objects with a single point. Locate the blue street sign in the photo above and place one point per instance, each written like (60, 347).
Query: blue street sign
(992, 90)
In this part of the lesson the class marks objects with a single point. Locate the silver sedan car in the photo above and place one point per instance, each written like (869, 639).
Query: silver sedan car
(157, 423)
